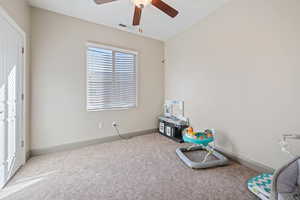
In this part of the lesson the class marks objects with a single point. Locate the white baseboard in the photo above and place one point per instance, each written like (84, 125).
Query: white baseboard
(259, 167)
(256, 166)
(76, 145)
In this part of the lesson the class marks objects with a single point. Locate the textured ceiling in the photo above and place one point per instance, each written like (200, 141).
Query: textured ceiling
(154, 23)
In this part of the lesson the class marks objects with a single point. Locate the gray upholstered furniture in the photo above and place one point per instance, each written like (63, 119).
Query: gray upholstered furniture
(286, 182)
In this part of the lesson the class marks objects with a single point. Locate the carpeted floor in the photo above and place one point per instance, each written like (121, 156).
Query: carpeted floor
(143, 168)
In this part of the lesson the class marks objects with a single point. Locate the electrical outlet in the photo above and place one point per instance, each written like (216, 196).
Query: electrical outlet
(100, 125)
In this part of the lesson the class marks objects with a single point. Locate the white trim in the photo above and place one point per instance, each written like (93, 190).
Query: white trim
(116, 49)
(23, 70)
(11, 21)
(95, 141)
(137, 80)
(23, 100)
(256, 166)
(107, 47)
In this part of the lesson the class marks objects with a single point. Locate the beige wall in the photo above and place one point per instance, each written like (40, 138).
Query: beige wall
(19, 11)
(59, 113)
(238, 71)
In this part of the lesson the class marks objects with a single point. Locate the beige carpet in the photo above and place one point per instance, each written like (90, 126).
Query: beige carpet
(143, 168)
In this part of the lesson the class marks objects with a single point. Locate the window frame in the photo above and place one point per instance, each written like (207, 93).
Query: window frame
(115, 49)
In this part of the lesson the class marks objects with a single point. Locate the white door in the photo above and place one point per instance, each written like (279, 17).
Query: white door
(11, 63)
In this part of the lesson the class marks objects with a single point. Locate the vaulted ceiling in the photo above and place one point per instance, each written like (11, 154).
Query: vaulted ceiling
(154, 23)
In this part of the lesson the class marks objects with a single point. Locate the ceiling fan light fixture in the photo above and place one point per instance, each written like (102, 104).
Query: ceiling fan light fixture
(141, 3)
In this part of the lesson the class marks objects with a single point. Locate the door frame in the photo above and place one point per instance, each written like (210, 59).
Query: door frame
(23, 92)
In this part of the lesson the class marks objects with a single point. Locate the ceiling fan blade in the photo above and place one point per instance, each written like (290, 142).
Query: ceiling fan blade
(165, 8)
(103, 1)
(137, 16)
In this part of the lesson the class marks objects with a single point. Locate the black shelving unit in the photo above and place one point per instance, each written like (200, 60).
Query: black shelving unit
(172, 128)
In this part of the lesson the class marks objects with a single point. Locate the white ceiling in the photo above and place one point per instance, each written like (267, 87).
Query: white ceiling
(155, 24)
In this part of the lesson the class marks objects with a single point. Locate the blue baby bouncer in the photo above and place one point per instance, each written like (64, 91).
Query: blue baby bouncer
(201, 141)
(284, 184)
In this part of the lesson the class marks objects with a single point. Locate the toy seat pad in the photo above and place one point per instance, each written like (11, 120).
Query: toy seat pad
(261, 185)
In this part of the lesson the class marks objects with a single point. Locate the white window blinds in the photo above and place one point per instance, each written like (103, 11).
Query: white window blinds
(111, 79)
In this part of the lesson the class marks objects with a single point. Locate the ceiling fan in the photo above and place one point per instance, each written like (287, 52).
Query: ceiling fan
(140, 4)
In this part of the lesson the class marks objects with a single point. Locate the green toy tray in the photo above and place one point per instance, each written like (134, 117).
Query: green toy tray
(197, 140)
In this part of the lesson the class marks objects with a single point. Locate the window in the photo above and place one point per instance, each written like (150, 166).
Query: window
(111, 78)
